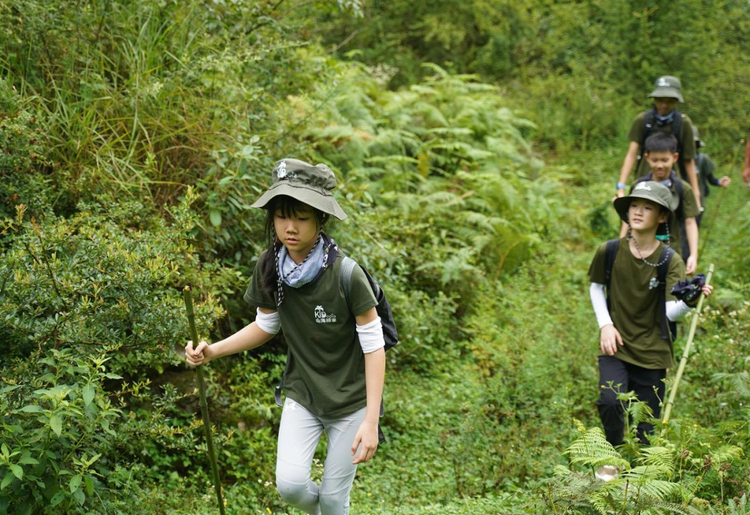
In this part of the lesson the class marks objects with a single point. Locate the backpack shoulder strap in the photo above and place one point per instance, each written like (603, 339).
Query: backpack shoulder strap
(347, 267)
(677, 130)
(679, 212)
(677, 127)
(648, 126)
(665, 259)
(610, 252)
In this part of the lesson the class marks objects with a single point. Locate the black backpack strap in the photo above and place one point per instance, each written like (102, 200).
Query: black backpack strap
(668, 329)
(648, 127)
(279, 387)
(610, 252)
(679, 212)
(676, 130)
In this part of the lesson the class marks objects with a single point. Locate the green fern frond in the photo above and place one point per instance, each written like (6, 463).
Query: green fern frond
(593, 449)
(661, 458)
(738, 381)
(725, 453)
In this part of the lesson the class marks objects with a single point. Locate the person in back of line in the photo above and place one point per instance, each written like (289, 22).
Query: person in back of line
(662, 117)
(705, 167)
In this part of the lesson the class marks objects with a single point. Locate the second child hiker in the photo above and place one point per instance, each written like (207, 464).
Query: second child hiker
(336, 363)
(631, 283)
(705, 167)
(662, 117)
(661, 155)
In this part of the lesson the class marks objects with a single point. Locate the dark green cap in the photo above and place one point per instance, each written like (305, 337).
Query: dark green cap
(649, 190)
(311, 185)
(667, 87)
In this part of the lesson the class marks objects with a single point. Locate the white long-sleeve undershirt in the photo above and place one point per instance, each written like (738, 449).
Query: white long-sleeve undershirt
(676, 309)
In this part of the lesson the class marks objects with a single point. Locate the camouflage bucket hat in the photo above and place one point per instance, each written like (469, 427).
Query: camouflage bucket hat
(649, 190)
(667, 87)
(311, 185)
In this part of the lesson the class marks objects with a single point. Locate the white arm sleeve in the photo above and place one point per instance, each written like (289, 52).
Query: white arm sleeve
(268, 322)
(676, 309)
(599, 301)
(371, 336)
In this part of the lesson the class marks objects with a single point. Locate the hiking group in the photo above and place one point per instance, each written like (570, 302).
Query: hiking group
(638, 282)
(337, 323)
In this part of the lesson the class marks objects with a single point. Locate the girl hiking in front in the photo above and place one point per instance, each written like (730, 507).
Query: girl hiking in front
(336, 363)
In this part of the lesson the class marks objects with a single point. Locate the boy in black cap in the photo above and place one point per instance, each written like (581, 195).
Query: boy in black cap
(663, 117)
(633, 311)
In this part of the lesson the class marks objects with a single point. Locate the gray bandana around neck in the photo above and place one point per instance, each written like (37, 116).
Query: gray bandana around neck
(295, 275)
(664, 120)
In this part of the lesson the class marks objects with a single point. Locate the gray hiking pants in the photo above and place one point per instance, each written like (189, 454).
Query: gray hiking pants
(299, 434)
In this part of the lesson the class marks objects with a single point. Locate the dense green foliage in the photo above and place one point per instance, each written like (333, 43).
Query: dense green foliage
(135, 134)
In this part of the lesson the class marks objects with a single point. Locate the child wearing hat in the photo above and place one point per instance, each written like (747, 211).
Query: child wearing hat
(662, 117)
(635, 352)
(704, 168)
(661, 156)
(335, 370)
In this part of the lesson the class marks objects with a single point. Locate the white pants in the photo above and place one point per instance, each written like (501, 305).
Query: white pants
(299, 434)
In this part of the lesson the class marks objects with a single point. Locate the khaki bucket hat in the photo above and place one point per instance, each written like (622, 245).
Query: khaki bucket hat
(667, 86)
(309, 184)
(649, 190)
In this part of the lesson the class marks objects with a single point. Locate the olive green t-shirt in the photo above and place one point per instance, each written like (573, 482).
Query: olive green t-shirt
(634, 307)
(686, 137)
(325, 370)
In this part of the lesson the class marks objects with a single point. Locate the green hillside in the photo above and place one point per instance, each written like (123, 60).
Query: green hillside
(476, 146)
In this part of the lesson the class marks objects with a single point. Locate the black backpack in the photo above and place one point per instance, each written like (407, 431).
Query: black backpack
(649, 122)
(390, 333)
(668, 328)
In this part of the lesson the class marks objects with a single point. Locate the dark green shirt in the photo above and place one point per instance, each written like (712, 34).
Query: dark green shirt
(634, 307)
(686, 138)
(325, 365)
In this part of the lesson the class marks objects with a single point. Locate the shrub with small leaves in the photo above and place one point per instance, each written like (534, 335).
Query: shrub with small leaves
(55, 429)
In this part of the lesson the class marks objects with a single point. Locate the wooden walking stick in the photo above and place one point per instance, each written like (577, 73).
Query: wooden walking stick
(683, 361)
(188, 296)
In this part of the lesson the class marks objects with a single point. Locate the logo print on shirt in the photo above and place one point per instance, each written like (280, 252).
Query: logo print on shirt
(653, 283)
(322, 318)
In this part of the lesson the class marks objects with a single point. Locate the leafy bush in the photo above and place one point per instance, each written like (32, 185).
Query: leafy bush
(56, 433)
(105, 280)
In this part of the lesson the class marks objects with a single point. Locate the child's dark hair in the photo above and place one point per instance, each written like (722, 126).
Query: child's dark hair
(660, 142)
(289, 207)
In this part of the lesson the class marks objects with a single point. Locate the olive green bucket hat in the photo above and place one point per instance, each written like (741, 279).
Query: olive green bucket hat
(302, 181)
(649, 190)
(667, 87)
